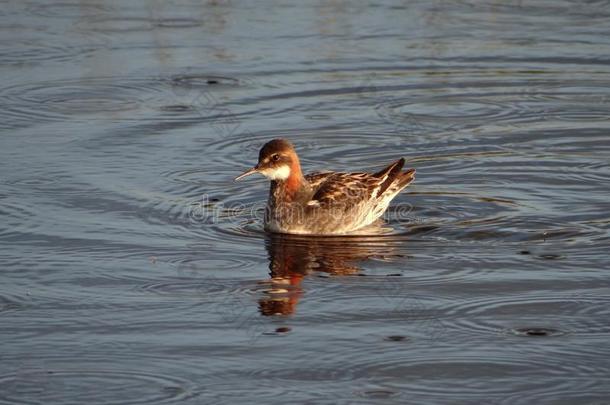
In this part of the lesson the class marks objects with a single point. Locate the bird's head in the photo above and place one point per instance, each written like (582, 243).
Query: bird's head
(276, 160)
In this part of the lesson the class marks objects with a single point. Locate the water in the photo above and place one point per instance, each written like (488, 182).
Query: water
(135, 271)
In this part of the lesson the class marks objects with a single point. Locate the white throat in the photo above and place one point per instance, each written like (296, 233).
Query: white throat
(278, 173)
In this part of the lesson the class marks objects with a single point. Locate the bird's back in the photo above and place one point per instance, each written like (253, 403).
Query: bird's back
(344, 202)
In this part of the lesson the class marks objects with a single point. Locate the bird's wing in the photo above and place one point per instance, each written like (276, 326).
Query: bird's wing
(315, 179)
(344, 188)
(352, 188)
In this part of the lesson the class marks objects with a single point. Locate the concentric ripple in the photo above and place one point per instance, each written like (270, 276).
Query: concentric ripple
(532, 316)
(91, 385)
(466, 376)
(134, 270)
(37, 52)
(576, 104)
(177, 97)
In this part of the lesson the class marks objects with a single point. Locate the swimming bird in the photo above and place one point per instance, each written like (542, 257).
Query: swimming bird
(329, 203)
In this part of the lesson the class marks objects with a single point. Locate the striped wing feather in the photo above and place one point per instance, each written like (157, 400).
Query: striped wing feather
(315, 179)
(352, 188)
(344, 188)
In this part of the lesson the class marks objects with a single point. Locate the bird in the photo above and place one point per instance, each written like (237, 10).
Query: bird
(323, 203)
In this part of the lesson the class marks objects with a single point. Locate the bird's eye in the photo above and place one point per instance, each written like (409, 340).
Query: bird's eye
(275, 157)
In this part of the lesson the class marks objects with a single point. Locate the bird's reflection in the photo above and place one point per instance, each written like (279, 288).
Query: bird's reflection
(292, 257)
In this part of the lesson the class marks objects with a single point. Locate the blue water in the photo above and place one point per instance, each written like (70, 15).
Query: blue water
(134, 270)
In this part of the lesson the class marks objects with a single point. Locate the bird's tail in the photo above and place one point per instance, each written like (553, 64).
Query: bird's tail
(394, 178)
(389, 175)
(405, 178)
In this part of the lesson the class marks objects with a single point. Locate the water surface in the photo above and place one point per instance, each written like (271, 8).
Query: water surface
(133, 270)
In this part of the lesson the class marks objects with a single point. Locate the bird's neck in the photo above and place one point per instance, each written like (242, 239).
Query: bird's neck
(293, 187)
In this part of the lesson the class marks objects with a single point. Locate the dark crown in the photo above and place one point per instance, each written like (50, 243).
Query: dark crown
(275, 146)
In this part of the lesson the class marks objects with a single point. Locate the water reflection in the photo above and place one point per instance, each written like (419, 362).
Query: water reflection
(293, 257)
(121, 120)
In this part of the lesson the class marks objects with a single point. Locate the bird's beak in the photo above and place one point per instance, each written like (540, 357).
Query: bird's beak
(247, 173)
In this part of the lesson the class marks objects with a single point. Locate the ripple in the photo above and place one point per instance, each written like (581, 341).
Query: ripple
(322, 149)
(396, 338)
(189, 176)
(39, 181)
(198, 80)
(20, 218)
(68, 10)
(249, 228)
(126, 24)
(177, 108)
(62, 100)
(204, 281)
(447, 109)
(246, 144)
(536, 332)
(546, 314)
(93, 385)
(188, 288)
(378, 393)
(594, 9)
(468, 378)
(111, 98)
(209, 219)
(471, 375)
(490, 110)
(595, 391)
(35, 51)
(10, 303)
(511, 151)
